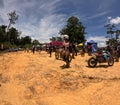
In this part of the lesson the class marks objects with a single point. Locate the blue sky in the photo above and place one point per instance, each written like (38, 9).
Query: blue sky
(42, 19)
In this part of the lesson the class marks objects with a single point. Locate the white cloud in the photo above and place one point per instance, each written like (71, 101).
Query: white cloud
(36, 19)
(47, 27)
(106, 4)
(98, 15)
(115, 20)
(98, 39)
(102, 44)
(51, 25)
(109, 17)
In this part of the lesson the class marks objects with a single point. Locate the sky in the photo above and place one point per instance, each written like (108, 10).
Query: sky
(43, 19)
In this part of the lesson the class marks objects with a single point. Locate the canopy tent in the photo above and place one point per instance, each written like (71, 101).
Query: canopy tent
(57, 43)
(91, 42)
(92, 45)
(81, 44)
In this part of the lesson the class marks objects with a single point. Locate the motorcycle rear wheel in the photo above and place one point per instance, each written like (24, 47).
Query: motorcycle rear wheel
(92, 62)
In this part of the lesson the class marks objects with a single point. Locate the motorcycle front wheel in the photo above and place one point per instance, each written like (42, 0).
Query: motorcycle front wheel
(92, 62)
(111, 61)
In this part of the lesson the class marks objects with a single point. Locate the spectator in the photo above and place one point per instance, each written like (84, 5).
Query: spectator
(50, 49)
(33, 49)
(118, 51)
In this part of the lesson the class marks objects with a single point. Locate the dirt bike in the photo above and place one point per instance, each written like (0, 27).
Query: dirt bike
(61, 53)
(99, 58)
(64, 55)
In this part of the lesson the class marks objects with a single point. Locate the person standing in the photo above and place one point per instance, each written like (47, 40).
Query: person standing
(50, 49)
(33, 49)
(2, 47)
(118, 52)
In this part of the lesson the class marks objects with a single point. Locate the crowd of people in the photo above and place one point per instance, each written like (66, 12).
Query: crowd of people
(72, 48)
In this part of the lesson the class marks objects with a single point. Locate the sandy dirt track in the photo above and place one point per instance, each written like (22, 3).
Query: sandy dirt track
(37, 79)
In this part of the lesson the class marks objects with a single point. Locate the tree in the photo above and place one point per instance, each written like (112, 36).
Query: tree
(12, 18)
(25, 40)
(14, 35)
(117, 32)
(35, 42)
(3, 37)
(112, 32)
(74, 29)
(53, 39)
(110, 29)
(57, 38)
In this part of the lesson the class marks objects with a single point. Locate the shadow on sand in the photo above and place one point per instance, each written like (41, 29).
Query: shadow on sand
(64, 66)
(100, 66)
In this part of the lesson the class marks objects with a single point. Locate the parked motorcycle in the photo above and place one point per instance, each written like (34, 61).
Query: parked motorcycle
(100, 58)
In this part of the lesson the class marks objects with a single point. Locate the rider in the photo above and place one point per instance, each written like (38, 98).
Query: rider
(66, 44)
(105, 55)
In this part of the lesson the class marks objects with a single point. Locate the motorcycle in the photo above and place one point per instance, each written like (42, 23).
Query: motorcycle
(64, 55)
(100, 58)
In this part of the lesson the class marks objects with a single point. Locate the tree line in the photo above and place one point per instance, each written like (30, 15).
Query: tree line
(10, 36)
(74, 28)
(113, 34)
